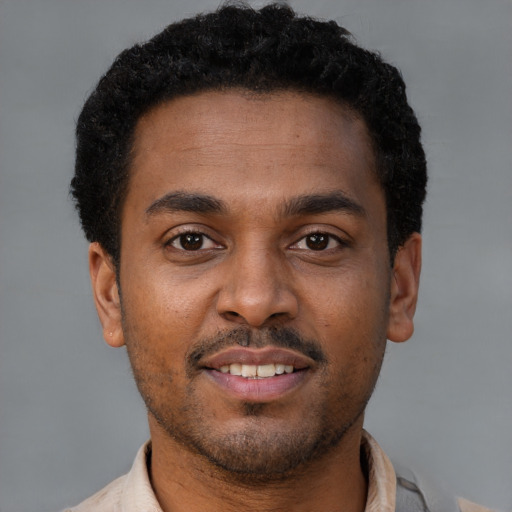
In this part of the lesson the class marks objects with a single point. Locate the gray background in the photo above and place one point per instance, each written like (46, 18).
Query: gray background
(71, 419)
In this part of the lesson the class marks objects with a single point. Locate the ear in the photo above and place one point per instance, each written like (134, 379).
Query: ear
(106, 294)
(405, 281)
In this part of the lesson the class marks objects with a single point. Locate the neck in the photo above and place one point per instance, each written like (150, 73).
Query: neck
(184, 481)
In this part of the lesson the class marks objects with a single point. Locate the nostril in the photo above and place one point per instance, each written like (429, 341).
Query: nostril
(232, 315)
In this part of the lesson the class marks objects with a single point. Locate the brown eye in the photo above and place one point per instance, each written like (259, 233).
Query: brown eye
(189, 241)
(317, 241)
(192, 241)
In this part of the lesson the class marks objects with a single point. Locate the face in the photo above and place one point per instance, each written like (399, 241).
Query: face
(255, 280)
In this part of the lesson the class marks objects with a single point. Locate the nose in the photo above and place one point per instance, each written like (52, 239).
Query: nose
(257, 290)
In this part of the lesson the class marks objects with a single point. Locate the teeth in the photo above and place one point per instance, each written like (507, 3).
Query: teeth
(279, 369)
(249, 370)
(256, 371)
(266, 370)
(235, 369)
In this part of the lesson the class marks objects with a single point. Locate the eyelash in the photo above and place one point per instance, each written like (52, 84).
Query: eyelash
(325, 238)
(190, 232)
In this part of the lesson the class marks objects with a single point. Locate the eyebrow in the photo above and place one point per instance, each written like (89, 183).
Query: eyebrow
(311, 204)
(186, 202)
(316, 204)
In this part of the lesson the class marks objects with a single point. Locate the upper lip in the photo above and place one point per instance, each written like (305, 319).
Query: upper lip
(267, 355)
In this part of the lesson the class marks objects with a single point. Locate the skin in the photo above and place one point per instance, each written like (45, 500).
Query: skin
(256, 268)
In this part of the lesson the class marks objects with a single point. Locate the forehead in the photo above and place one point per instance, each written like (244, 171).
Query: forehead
(248, 144)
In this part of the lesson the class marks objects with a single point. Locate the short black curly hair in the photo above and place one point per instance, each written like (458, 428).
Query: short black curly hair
(265, 50)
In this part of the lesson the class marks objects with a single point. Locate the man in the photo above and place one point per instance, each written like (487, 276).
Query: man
(251, 183)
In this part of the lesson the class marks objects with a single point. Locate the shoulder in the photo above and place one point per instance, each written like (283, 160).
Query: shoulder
(469, 506)
(106, 500)
(415, 492)
(131, 492)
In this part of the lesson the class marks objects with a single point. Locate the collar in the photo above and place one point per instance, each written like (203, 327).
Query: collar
(137, 493)
(381, 477)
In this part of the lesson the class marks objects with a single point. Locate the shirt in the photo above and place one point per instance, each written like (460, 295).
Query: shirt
(133, 492)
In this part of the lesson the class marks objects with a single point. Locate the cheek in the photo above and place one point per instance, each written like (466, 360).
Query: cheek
(351, 296)
(351, 315)
(161, 301)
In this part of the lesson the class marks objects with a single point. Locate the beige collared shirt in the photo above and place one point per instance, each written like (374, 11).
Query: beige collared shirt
(133, 492)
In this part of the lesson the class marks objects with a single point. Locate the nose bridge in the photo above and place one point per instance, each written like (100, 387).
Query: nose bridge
(257, 287)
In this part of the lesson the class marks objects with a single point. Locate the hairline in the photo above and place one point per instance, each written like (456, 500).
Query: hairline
(348, 110)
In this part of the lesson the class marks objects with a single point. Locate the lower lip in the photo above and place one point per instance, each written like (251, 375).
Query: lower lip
(258, 390)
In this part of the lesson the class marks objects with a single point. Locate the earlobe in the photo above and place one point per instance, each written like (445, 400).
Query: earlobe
(106, 294)
(404, 289)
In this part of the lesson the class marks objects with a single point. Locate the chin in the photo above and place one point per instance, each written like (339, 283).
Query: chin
(259, 448)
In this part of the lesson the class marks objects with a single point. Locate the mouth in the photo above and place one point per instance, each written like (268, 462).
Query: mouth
(261, 375)
(260, 371)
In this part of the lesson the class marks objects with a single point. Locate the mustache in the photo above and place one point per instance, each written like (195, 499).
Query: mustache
(282, 337)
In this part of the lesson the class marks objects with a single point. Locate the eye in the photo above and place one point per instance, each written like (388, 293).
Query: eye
(318, 242)
(192, 242)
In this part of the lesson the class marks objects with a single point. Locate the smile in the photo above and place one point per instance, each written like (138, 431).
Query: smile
(261, 371)
(258, 375)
